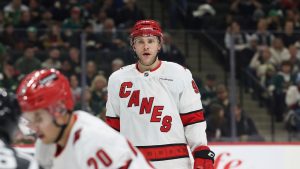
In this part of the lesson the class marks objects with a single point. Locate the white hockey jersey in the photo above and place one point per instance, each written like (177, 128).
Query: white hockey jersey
(159, 111)
(91, 145)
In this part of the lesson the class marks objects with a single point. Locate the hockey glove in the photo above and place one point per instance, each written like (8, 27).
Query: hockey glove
(203, 158)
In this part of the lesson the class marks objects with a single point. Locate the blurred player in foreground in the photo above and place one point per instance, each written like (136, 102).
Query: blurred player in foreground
(156, 105)
(67, 139)
(9, 118)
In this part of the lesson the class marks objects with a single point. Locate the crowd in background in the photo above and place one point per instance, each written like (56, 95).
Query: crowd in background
(265, 36)
(49, 34)
(38, 34)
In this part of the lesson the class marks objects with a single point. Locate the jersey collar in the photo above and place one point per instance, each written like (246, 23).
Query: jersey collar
(152, 70)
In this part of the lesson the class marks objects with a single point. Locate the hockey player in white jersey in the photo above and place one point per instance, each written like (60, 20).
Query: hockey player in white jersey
(71, 140)
(156, 105)
(10, 113)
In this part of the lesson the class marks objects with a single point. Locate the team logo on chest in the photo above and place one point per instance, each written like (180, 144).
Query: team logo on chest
(146, 106)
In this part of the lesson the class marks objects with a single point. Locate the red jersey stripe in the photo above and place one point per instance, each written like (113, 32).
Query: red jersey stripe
(113, 122)
(126, 166)
(164, 152)
(132, 148)
(192, 117)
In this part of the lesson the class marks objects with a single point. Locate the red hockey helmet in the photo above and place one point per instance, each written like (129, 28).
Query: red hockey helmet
(146, 28)
(43, 88)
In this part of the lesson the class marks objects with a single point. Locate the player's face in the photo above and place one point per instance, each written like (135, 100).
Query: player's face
(146, 48)
(41, 122)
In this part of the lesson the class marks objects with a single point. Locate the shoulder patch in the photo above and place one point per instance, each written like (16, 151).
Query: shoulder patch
(76, 136)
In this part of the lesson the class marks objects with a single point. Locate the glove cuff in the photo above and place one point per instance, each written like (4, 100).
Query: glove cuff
(204, 152)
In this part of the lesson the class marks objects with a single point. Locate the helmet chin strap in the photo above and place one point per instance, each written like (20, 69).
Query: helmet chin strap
(62, 127)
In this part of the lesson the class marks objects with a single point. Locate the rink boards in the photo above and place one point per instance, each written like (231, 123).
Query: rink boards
(247, 156)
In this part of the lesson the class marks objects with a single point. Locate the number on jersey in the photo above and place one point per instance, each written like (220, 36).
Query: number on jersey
(102, 156)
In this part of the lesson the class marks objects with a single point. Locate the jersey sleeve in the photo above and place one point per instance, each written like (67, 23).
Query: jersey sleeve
(192, 113)
(108, 152)
(112, 104)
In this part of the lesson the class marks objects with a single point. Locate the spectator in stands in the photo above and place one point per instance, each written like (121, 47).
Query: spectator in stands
(264, 36)
(102, 115)
(116, 64)
(54, 38)
(9, 76)
(217, 124)
(14, 9)
(208, 91)
(249, 51)
(262, 68)
(260, 62)
(10, 38)
(274, 20)
(86, 103)
(75, 22)
(53, 60)
(296, 20)
(1, 21)
(45, 23)
(98, 89)
(289, 37)
(292, 100)
(24, 23)
(222, 99)
(280, 83)
(28, 62)
(295, 58)
(290, 4)
(74, 59)
(129, 14)
(246, 10)
(66, 68)
(109, 8)
(297, 44)
(111, 38)
(36, 11)
(177, 12)
(245, 127)
(91, 72)
(92, 38)
(279, 52)
(75, 88)
(170, 52)
(98, 21)
(203, 17)
(32, 38)
(239, 37)
(87, 8)
(61, 9)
